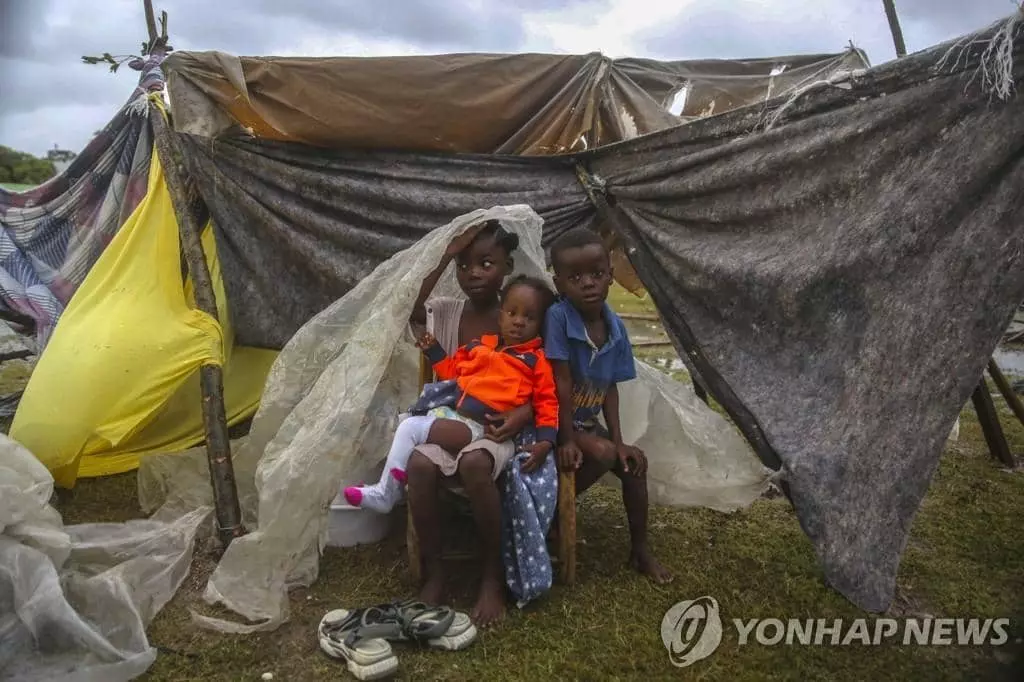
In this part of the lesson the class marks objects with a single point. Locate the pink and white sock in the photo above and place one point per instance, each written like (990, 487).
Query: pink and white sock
(382, 496)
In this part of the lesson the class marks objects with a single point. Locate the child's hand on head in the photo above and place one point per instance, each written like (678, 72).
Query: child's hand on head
(457, 245)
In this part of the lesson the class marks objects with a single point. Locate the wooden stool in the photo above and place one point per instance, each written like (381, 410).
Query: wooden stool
(566, 517)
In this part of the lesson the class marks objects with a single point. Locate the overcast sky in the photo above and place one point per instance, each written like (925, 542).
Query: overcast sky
(49, 97)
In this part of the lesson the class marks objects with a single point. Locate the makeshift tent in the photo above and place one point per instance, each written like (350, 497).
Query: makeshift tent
(522, 103)
(802, 250)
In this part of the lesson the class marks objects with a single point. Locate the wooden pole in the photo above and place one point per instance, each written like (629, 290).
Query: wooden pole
(894, 27)
(1012, 399)
(567, 526)
(147, 5)
(218, 445)
(989, 420)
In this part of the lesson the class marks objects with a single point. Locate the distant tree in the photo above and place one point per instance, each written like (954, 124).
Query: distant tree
(24, 169)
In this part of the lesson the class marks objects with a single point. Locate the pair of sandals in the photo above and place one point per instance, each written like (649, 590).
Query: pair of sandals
(362, 637)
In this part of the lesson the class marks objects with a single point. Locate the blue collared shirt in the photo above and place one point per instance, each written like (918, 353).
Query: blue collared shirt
(594, 370)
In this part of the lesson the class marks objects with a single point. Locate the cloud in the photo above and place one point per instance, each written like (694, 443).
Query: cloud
(751, 28)
(948, 18)
(47, 96)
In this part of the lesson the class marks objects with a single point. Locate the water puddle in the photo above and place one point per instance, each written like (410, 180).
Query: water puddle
(1010, 361)
(643, 328)
(671, 364)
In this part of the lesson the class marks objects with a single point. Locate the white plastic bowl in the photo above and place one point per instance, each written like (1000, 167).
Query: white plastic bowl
(348, 526)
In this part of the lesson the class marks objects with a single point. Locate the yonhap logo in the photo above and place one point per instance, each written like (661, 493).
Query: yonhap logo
(691, 630)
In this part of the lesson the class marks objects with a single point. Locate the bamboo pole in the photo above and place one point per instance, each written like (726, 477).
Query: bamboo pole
(894, 27)
(218, 444)
(1012, 399)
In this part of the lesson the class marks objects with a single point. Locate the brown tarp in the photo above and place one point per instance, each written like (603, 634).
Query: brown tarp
(526, 104)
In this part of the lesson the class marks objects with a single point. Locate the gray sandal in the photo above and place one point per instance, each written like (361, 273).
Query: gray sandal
(351, 637)
(439, 627)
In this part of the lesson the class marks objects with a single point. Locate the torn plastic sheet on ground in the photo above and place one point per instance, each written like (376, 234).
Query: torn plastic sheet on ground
(75, 601)
(330, 408)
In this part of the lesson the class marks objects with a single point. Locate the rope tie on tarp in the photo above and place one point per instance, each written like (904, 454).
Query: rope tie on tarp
(592, 185)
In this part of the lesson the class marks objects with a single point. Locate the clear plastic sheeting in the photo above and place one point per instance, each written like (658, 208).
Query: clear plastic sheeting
(695, 457)
(75, 601)
(330, 408)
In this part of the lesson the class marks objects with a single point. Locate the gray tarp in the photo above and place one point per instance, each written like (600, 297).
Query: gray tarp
(839, 280)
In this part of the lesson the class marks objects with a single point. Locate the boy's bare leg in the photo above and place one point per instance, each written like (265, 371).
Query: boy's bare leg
(634, 499)
(475, 473)
(424, 480)
(599, 457)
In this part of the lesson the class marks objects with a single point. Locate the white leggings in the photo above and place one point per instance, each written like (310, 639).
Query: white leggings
(411, 432)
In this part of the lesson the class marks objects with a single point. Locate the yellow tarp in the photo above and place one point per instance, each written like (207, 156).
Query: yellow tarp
(119, 377)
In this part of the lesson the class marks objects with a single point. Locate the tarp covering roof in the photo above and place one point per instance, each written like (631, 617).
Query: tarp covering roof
(483, 103)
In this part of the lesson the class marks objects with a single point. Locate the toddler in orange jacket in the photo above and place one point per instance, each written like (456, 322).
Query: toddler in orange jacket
(487, 376)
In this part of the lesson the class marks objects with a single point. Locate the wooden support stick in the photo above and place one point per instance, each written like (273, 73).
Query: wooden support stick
(894, 27)
(700, 391)
(994, 436)
(412, 542)
(150, 21)
(218, 445)
(567, 526)
(1012, 399)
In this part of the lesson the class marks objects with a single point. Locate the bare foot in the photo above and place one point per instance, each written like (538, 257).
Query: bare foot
(643, 562)
(490, 603)
(432, 592)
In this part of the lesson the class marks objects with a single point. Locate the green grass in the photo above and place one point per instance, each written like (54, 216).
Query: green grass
(965, 558)
(15, 187)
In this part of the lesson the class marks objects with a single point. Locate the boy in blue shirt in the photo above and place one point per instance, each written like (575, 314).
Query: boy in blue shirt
(589, 349)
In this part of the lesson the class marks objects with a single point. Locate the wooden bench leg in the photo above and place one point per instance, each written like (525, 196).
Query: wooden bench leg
(412, 544)
(567, 526)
